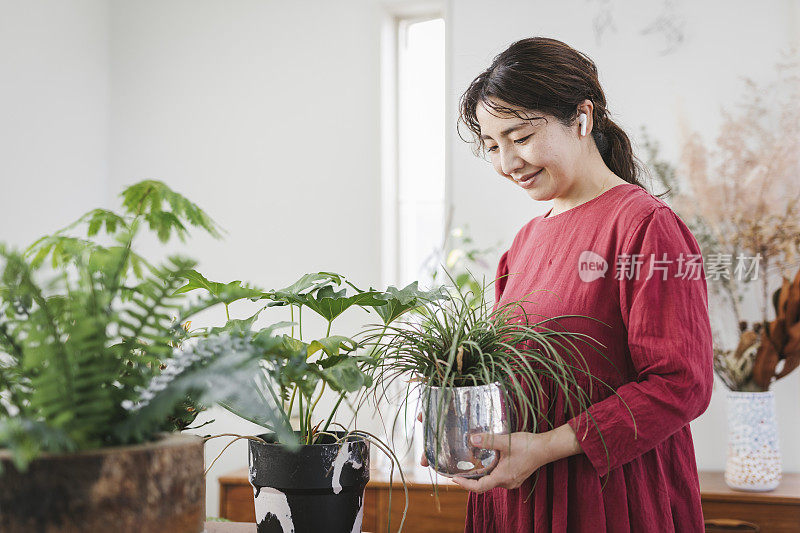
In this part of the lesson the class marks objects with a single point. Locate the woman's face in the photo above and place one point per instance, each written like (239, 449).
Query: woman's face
(540, 154)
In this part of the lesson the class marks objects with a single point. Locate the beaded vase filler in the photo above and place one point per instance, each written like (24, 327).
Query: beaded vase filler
(754, 459)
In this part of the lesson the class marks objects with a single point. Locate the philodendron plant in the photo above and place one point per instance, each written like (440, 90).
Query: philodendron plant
(295, 372)
(86, 323)
(303, 476)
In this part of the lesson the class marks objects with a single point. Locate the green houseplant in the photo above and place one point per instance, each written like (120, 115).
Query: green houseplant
(87, 327)
(479, 369)
(309, 478)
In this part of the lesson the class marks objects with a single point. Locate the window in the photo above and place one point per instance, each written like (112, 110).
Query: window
(413, 168)
(414, 148)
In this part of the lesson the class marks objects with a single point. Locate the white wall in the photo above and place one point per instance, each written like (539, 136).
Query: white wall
(53, 114)
(724, 40)
(266, 113)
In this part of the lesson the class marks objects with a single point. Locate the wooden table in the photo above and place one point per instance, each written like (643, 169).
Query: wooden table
(230, 527)
(776, 511)
(426, 511)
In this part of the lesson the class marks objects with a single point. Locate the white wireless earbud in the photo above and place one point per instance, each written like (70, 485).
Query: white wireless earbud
(582, 120)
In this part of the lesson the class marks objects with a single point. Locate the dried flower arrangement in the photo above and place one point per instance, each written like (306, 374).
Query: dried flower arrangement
(741, 199)
(757, 358)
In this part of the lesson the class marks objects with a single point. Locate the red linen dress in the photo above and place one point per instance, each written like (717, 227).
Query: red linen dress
(652, 298)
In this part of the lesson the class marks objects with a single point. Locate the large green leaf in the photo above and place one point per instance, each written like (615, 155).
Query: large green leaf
(291, 367)
(298, 292)
(346, 376)
(224, 292)
(399, 301)
(238, 325)
(331, 345)
(329, 303)
(267, 339)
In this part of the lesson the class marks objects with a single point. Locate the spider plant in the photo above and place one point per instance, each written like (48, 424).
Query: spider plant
(464, 341)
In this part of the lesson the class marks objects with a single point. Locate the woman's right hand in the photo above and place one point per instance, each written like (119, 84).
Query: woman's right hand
(424, 460)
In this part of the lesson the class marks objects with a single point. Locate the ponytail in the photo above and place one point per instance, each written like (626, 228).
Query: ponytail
(615, 147)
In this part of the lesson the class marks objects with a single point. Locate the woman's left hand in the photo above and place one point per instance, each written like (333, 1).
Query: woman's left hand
(521, 454)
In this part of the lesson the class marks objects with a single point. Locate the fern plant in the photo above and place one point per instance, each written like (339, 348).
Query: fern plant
(86, 323)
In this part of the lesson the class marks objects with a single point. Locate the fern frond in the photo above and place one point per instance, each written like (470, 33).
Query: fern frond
(146, 313)
(215, 369)
(149, 199)
(42, 329)
(9, 344)
(98, 218)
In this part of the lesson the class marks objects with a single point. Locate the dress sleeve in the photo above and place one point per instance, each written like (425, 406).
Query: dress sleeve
(501, 277)
(665, 312)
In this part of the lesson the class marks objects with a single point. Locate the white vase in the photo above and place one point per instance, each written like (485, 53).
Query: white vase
(754, 459)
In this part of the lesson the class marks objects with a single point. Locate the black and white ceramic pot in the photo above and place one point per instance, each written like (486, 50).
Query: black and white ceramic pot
(318, 487)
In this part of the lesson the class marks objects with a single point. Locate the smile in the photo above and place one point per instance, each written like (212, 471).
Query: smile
(528, 181)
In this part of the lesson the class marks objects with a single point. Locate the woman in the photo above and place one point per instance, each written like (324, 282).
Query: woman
(610, 250)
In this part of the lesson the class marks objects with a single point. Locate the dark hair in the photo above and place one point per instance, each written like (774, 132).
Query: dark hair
(547, 75)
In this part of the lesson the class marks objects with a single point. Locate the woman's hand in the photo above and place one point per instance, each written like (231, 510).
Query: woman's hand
(521, 454)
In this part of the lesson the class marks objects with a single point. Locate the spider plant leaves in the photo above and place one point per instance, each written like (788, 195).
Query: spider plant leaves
(226, 293)
(462, 341)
